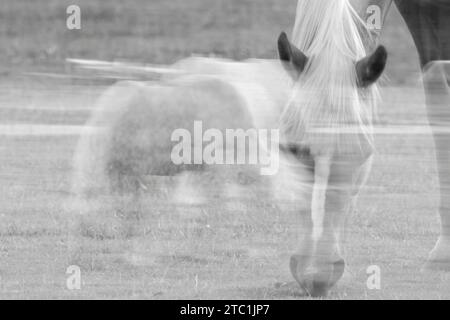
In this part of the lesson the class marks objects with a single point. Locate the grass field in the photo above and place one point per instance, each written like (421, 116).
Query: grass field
(206, 254)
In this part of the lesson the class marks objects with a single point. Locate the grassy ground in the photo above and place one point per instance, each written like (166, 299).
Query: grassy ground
(218, 253)
(206, 254)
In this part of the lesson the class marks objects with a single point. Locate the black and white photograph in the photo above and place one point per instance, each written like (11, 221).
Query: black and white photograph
(224, 150)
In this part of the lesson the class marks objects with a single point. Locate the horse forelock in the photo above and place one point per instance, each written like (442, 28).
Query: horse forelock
(326, 96)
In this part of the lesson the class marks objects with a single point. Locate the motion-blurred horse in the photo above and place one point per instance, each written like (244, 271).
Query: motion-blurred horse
(322, 98)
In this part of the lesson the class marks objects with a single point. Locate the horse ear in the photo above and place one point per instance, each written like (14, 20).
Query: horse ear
(370, 68)
(290, 54)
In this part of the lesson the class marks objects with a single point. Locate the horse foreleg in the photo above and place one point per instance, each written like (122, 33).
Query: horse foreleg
(438, 107)
(321, 178)
(312, 268)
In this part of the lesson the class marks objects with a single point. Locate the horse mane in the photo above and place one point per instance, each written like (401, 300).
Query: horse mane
(326, 104)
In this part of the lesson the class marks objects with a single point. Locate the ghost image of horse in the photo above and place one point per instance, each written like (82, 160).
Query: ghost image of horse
(321, 96)
(429, 26)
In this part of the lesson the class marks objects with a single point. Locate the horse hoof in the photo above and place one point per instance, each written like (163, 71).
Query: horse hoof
(316, 284)
(316, 289)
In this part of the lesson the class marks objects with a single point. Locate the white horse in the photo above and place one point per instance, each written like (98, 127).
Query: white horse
(321, 97)
(330, 115)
